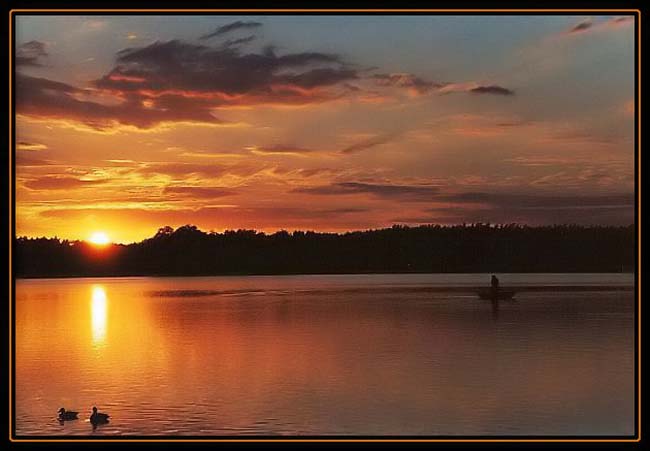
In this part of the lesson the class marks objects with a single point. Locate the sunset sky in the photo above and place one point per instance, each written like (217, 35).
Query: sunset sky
(125, 124)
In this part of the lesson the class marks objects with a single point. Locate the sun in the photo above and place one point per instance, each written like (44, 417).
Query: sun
(99, 238)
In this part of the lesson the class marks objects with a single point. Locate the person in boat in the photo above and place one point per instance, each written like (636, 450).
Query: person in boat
(494, 282)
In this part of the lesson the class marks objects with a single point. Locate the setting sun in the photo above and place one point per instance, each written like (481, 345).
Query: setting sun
(99, 238)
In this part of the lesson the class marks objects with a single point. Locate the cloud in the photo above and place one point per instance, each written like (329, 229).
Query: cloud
(311, 172)
(24, 145)
(55, 182)
(497, 200)
(239, 25)
(240, 41)
(175, 81)
(532, 209)
(178, 81)
(418, 193)
(492, 89)
(199, 191)
(419, 86)
(580, 27)
(621, 20)
(368, 143)
(589, 25)
(279, 149)
(47, 99)
(227, 76)
(30, 54)
(319, 77)
(541, 202)
(178, 170)
(405, 80)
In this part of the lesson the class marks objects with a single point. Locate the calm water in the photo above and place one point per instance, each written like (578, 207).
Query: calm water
(321, 355)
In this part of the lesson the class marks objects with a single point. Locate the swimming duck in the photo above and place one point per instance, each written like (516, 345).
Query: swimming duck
(67, 415)
(98, 418)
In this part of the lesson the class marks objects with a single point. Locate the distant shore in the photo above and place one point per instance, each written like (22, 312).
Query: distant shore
(451, 288)
(432, 249)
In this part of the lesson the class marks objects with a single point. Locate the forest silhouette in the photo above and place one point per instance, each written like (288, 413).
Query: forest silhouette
(399, 249)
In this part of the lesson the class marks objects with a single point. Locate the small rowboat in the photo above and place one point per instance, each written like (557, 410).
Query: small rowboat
(495, 295)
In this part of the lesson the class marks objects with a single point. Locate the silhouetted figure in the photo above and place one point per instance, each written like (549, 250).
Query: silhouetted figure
(98, 418)
(67, 415)
(494, 282)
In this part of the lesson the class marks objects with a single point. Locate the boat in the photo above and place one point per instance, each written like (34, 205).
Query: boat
(499, 294)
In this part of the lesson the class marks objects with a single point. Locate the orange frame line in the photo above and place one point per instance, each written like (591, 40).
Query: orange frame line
(266, 10)
(637, 12)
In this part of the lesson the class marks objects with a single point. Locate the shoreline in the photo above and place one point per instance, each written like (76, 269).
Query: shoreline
(255, 274)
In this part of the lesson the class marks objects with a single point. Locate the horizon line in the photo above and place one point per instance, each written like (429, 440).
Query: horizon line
(325, 232)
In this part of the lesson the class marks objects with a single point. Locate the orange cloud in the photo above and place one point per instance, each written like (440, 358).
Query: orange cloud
(24, 145)
(55, 182)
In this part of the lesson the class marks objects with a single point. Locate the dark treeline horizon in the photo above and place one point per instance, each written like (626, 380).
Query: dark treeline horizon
(188, 251)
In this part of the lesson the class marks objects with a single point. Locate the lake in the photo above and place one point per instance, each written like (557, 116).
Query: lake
(414, 354)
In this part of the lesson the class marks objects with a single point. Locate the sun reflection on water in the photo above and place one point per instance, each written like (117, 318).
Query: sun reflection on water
(98, 310)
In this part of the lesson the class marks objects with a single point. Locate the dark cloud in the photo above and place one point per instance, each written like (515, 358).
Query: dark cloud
(417, 193)
(55, 182)
(199, 191)
(514, 123)
(480, 200)
(404, 80)
(177, 81)
(532, 209)
(582, 26)
(623, 19)
(319, 77)
(591, 26)
(351, 87)
(492, 89)
(190, 79)
(369, 143)
(421, 86)
(533, 201)
(30, 54)
(238, 42)
(176, 65)
(239, 25)
(43, 98)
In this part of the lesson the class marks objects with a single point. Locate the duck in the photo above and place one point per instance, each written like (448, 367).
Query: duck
(98, 418)
(67, 414)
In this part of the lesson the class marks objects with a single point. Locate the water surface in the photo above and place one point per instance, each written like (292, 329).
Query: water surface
(325, 355)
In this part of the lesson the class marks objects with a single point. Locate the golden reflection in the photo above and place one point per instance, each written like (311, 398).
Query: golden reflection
(98, 314)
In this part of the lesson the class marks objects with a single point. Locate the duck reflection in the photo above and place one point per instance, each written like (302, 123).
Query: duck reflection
(98, 312)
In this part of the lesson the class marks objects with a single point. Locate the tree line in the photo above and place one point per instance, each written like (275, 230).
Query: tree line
(398, 249)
